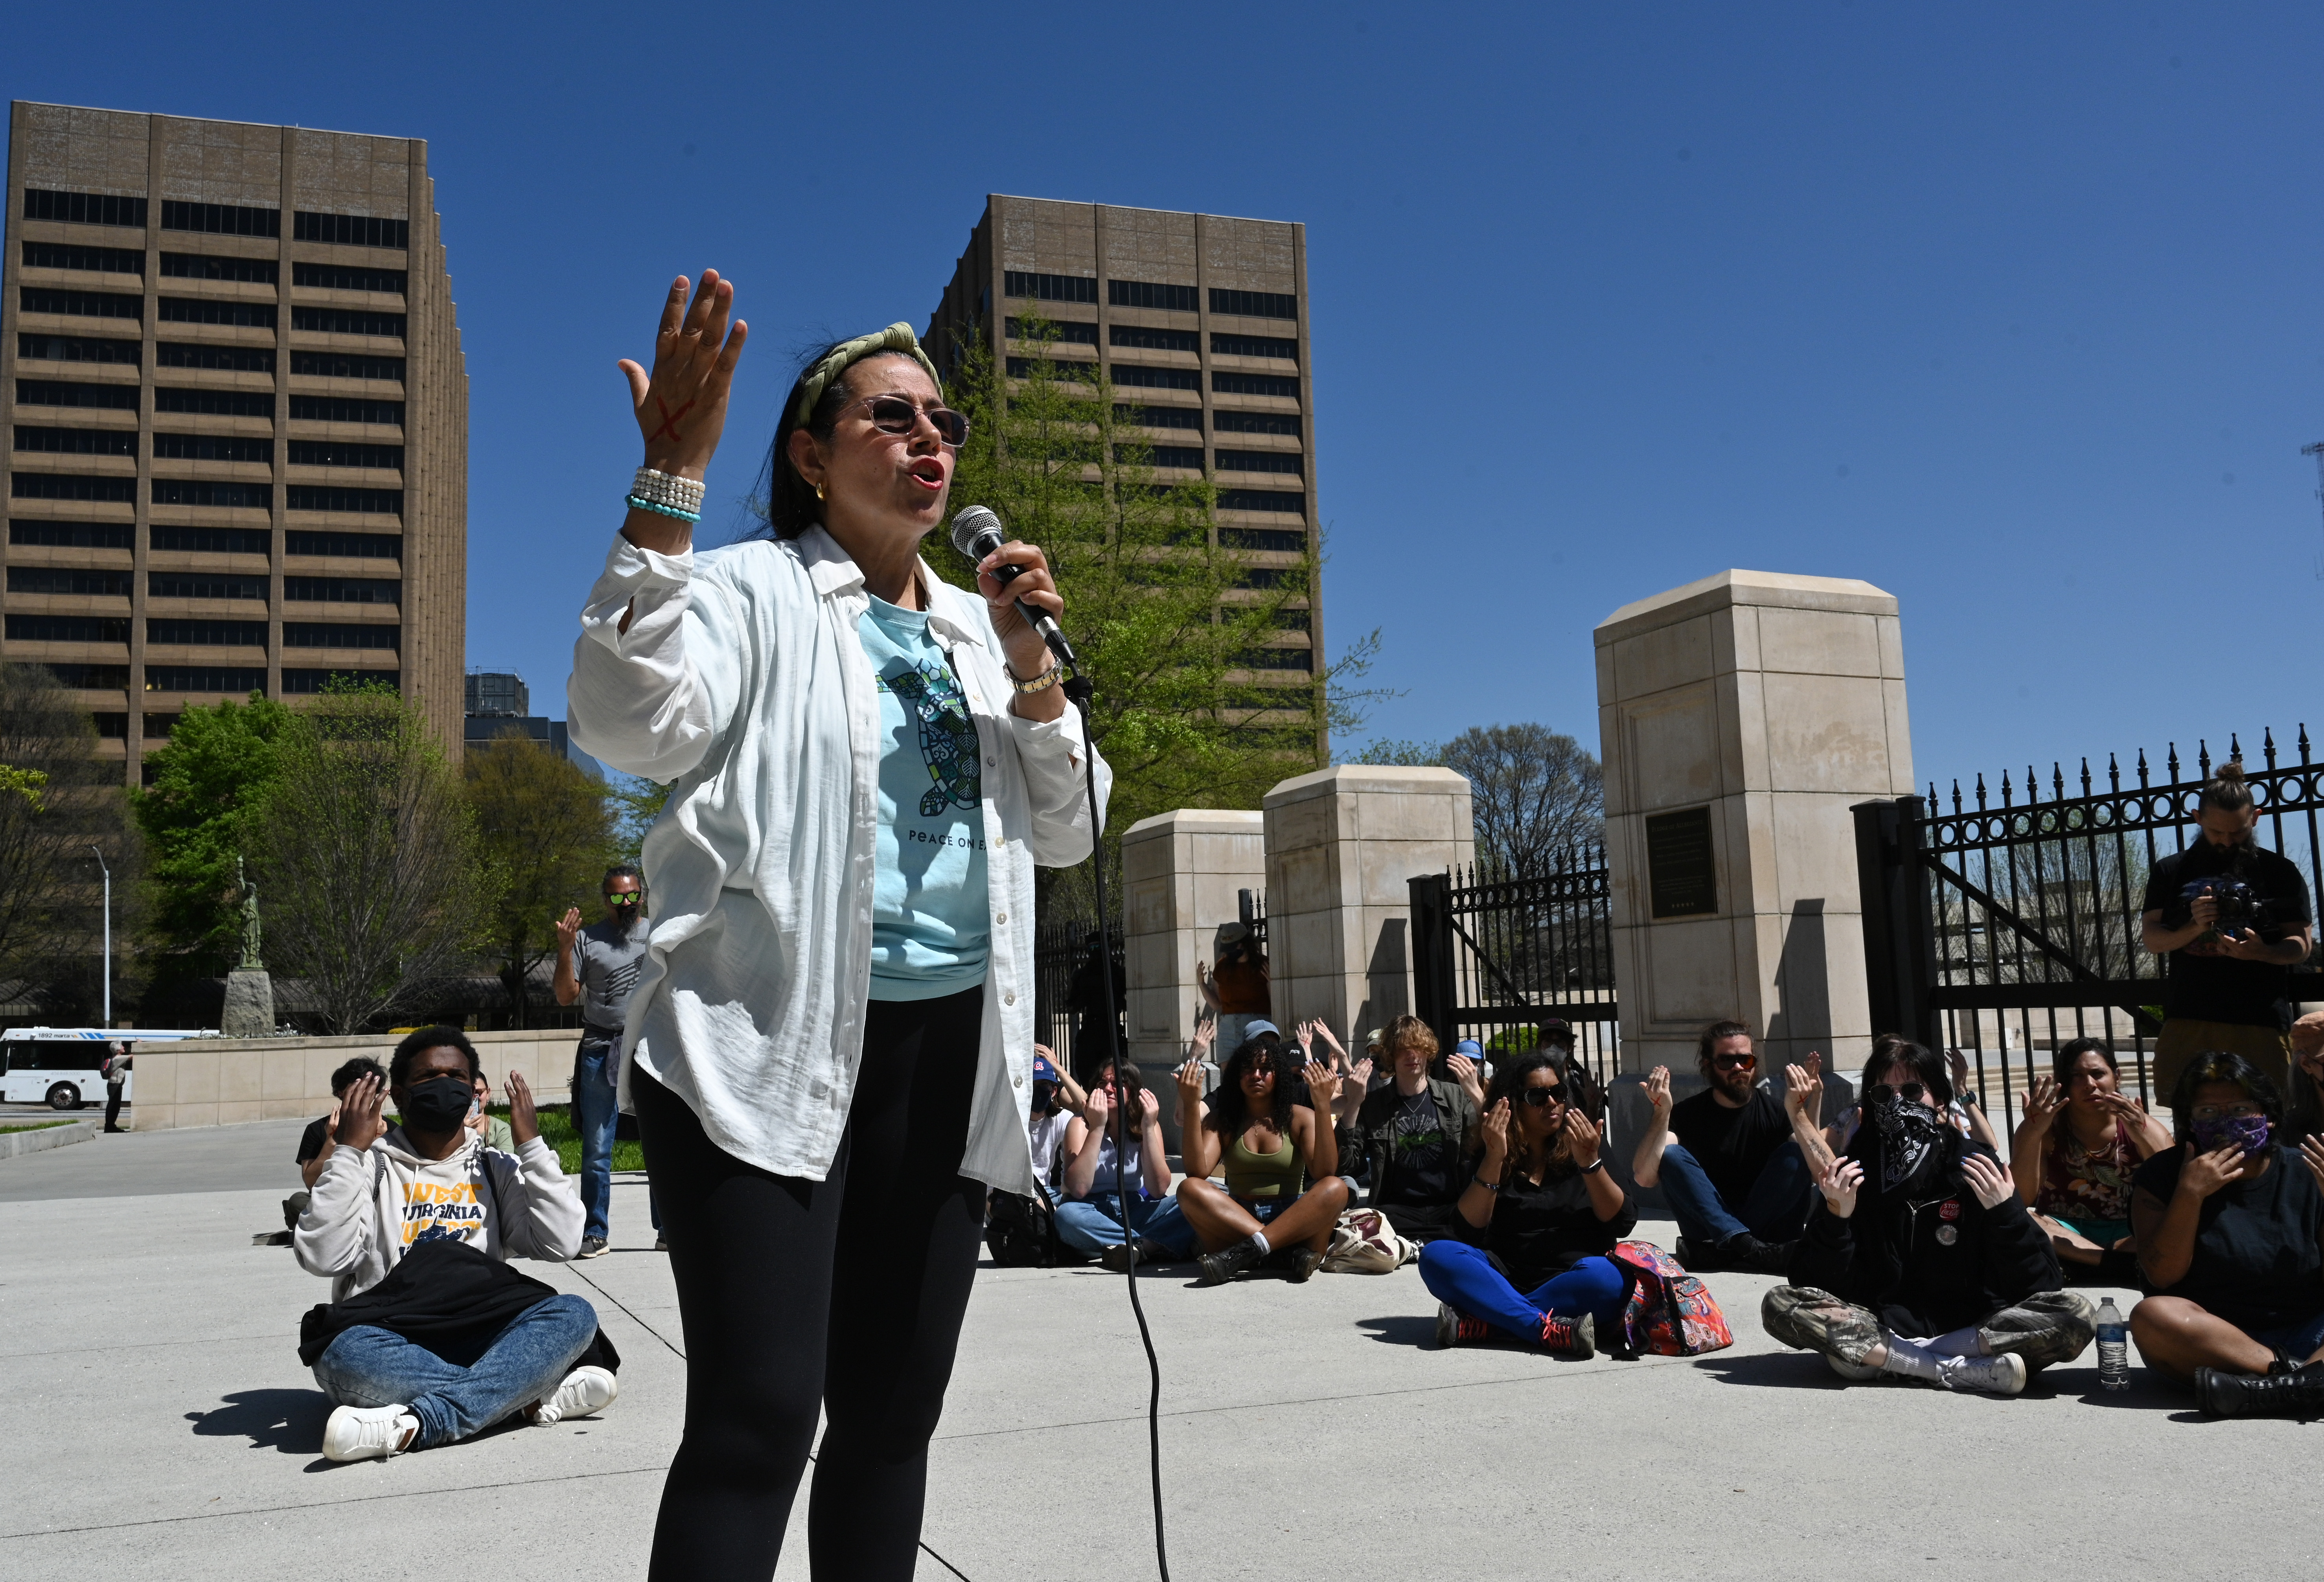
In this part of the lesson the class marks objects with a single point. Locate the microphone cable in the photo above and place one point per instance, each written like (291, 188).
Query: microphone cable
(1079, 690)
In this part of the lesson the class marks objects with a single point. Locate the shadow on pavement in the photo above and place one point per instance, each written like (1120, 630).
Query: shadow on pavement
(1402, 1329)
(1779, 1370)
(289, 1421)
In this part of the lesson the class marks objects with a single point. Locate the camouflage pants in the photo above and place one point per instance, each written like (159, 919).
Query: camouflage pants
(2047, 1327)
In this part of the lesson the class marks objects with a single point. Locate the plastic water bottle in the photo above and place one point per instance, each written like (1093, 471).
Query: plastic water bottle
(2114, 1347)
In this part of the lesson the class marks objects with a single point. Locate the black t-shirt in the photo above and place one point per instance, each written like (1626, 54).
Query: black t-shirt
(1422, 1156)
(2257, 1260)
(310, 1141)
(1732, 1145)
(2222, 988)
(1539, 1232)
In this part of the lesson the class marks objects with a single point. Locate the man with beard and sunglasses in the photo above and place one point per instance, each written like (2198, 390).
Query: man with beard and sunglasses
(1922, 1262)
(1737, 1181)
(598, 966)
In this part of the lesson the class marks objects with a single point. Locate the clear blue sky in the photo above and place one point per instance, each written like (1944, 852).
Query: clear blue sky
(2011, 310)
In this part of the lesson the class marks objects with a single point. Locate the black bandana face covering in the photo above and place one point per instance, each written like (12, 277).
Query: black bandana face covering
(1908, 1134)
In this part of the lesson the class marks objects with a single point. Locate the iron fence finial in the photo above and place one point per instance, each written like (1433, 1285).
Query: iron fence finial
(2172, 765)
(2114, 774)
(2267, 744)
(1980, 790)
(2085, 777)
(2203, 757)
(2303, 741)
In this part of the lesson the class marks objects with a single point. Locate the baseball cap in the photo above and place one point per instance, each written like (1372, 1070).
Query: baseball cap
(1555, 1031)
(1043, 1072)
(1253, 1029)
(1469, 1046)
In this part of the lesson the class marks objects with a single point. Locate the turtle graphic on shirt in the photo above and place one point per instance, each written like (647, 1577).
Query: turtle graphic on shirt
(948, 743)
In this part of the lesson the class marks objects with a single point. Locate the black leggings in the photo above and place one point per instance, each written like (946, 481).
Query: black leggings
(845, 1293)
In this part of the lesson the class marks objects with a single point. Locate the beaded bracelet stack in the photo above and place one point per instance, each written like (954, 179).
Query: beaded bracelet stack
(665, 495)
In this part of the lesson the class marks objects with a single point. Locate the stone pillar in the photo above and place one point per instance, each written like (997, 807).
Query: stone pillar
(1340, 845)
(1180, 870)
(1739, 717)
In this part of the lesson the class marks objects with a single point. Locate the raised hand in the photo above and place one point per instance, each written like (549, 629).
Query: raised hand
(361, 1120)
(2311, 1155)
(1464, 1071)
(1582, 1137)
(1360, 1073)
(569, 929)
(1190, 1086)
(2044, 1101)
(1498, 1120)
(1323, 1085)
(1658, 1093)
(681, 406)
(1803, 1088)
(1991, 1182)
(1306, 1033)
(1839, 1185)
(524, 1119)
(2205, 1173)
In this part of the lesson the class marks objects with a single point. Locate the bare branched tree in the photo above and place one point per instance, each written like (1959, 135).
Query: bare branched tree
(369, 880)
(1538, 794)
(58, 799)
(546, 834)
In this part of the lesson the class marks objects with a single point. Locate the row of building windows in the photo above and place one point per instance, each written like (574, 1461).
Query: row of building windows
(1255, 304)
(51, 392)
(202, 585)
(77, 349)
(1160, 417)
(202, 266)
(1072, 332)
(1279, 659)
(345, 410)
(1280, 540)
(217, 403)
(207, 540)
(1046, 288)
(347, 277)
(77, 441)
(222, 403)
(1262, 384)
(208, 310)
(1049, 288)
(99, 208)
(346, 321)
(207, 678)
(1262, 499)
(342, 365)
(1154, 340)
(217, 634)
(212, 448)
(111, 261)
(206, 492)
(341, 453)
(80, 304)
(1144, 378)
(1229, 461)
(1227, 346)
(1150, 294)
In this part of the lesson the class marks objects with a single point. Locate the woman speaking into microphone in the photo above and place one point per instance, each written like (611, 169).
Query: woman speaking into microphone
(830, 1047)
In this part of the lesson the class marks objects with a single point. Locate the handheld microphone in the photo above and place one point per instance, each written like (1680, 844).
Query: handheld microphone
(976, 533)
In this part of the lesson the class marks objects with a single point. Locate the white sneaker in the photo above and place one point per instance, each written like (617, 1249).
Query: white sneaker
(1996, 1375)
(367, 1433)
(584, 1392)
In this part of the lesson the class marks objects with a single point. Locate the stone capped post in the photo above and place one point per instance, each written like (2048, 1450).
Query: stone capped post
(1180, 871)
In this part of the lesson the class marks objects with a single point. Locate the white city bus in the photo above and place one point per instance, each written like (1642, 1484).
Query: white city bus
(64, 1067)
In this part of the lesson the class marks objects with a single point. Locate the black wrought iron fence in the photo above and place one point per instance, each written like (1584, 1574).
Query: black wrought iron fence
(1495, 955)
(2003, 931)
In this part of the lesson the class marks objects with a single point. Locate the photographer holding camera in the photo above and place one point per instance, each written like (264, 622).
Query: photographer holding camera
(2233, 917)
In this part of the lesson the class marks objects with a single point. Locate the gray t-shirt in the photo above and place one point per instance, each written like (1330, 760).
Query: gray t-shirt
(605, 960)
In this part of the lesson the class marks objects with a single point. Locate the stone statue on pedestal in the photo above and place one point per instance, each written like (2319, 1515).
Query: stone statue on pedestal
(249, 1010)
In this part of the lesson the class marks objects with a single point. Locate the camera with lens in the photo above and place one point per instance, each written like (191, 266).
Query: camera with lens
(2242, 910)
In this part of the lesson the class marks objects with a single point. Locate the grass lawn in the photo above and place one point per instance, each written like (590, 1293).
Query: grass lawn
(557, 1131)
(41, 1125)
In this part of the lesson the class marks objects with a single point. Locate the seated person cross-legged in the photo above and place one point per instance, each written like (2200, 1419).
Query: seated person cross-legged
(1535, 1223)
(1420, 1133)
(428, 1338)
(1095, 1182)
(1921, 1261)
(1263, 1141)
(2073, 1156)
(2228, 1227)
(1737, 1183)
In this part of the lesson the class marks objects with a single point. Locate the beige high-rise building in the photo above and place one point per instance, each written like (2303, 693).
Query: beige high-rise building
(238, 413)
(1201, 321)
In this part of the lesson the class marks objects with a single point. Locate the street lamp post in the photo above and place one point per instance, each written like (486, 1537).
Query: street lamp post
(108, 936)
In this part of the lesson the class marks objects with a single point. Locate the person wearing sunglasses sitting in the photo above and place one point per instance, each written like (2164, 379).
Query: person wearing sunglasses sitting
(2230, 1228)
(1737, 1183)
(1263, 1134)
(830, 1047)
(1921, 1261)
(1533, 1227)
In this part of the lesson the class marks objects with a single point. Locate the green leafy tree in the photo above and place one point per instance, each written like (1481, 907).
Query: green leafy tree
(366, 857)
(197, 814)
(1177, 630)
(546, 835)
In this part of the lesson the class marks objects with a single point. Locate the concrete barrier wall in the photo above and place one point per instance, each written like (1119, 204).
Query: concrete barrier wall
(223, 1081)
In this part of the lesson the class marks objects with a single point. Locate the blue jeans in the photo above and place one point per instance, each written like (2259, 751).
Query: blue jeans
(1091, 1224)
(595, 1108)
(1774, 1210)
(1462, 1275)
(2298, 1341)
(526, 1361)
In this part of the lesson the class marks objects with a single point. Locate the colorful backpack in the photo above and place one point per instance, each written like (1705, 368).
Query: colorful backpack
(1669, 1312)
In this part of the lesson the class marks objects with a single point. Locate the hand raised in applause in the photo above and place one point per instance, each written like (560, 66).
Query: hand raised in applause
(681, 405)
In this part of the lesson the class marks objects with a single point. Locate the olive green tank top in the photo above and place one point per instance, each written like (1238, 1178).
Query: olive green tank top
(1262, 1178)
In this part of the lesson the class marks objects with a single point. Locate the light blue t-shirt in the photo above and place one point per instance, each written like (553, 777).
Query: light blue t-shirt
(931, 921)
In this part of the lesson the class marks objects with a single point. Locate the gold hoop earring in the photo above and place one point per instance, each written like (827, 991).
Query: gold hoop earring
(819, 494)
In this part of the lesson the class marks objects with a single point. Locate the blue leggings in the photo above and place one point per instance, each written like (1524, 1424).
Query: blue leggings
(1462, 1275)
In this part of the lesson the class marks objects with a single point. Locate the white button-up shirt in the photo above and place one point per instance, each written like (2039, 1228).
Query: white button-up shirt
(742, 678)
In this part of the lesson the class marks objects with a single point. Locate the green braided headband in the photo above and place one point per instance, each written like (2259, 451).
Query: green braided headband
(895, 337)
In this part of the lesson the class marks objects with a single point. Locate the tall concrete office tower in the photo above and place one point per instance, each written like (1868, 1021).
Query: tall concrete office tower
(238, 410)
(1202, 321)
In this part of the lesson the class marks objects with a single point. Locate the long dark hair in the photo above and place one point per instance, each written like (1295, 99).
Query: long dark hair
(1230, 1110)
(792, 505)
(1510, 1079)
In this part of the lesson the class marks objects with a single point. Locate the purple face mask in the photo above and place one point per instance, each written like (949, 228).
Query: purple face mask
(2247, 1132)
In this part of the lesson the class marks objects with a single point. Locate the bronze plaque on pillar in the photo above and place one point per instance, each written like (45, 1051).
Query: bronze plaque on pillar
(1681, 878)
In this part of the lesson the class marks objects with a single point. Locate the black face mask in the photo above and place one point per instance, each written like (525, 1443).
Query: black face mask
(437, 1105)
(1908, 1132)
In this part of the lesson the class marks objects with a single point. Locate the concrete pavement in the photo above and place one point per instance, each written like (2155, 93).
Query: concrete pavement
(158, 1426)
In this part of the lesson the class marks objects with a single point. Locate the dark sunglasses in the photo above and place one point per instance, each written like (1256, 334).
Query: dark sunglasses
(895, 414)
(1734, 1062)
(1911, 1092)
(1539, 1097)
